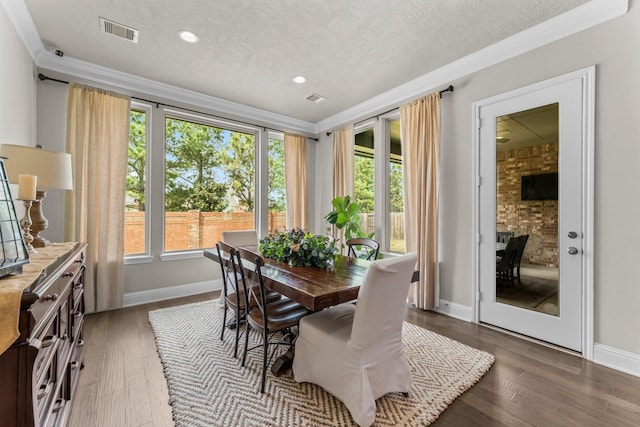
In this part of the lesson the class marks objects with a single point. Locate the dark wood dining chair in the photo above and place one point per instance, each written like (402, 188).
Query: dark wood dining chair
(504, 236)
(363, 247)
(267, 319)
(504, 263)
(517, 259)
(233, 294)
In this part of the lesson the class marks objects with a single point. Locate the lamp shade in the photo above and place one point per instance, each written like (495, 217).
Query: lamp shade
(52, 168)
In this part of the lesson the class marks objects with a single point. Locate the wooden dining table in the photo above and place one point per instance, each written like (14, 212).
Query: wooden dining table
(313, 287)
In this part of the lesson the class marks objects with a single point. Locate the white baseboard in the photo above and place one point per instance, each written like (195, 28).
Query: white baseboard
(617, 359)
(610, 357)
(458, 311)
(161, 294)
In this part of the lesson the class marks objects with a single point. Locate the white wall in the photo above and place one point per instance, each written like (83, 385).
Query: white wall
(613, 47)
(52, 119)
(17, 92)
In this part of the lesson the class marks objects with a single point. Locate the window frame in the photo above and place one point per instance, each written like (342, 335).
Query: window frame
(155, 168)
(381, 153)
(205, 120)
(144, 257)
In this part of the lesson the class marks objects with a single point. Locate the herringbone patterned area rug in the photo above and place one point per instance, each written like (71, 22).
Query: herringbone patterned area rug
(208, 387)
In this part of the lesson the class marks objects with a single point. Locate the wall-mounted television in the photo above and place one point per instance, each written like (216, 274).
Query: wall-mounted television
(542, 186)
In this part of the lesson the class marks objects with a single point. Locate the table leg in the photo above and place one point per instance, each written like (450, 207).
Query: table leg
(283, 363)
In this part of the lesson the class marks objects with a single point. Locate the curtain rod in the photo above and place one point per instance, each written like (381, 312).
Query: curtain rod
(42, 77)
(448, 89)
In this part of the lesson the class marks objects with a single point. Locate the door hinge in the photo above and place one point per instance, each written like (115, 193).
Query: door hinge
(478, 181)
(478, 122)
(479, 296)
(478, 239)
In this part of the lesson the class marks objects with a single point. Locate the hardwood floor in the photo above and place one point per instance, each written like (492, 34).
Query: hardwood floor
(122, 383)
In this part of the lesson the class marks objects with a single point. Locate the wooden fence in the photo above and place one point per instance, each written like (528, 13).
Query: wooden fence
(192, 229)
(195, 229)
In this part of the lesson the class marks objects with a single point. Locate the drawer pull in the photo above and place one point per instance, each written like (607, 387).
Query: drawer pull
(44, 390)
(53, 297)
(80, 343)
(77, 285)
(49, 340)
(70, 274)
(58, 405)
(75, 365)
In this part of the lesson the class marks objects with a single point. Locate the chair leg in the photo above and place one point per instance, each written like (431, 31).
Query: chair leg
(246, 343)
(265, 351)
(224, 321)
(235, 350)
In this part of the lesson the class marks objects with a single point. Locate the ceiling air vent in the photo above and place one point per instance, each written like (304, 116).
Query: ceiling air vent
(315, 98)
(119, 30)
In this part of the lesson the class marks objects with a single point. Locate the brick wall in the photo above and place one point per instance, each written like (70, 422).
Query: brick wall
(192, 229)
(537, 218)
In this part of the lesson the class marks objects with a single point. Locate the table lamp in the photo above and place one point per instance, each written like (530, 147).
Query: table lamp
(53, 170)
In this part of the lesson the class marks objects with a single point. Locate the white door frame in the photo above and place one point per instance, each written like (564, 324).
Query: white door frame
(587, 77)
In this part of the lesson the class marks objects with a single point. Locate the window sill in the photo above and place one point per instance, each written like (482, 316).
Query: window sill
(138, 259)
(175, 256)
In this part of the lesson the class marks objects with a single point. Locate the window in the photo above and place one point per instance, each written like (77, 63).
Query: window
(363, 174)
(209, 183)
(396, 189)
(135, 218)
(277, 209)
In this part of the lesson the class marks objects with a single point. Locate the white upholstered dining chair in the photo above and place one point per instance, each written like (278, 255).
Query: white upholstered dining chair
(237, 238)
(355, 352)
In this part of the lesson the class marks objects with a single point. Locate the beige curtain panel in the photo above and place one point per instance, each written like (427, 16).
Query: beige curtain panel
(343, 169)
(98, 141)
(420, 136)
(295, 176)
(343, 160)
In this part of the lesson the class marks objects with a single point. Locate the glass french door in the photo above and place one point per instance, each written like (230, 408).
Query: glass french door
(531, 175)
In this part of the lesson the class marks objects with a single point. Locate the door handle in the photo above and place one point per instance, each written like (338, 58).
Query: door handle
(572, 250)
(572, 234)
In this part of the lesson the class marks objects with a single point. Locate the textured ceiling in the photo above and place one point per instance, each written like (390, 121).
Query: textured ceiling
(249, 50)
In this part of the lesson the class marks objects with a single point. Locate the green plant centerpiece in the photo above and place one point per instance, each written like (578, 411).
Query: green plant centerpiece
(299, 248)
(346, 214)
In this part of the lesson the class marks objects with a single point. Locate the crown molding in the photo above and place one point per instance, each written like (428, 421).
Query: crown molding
(581, 18)
(85, 70)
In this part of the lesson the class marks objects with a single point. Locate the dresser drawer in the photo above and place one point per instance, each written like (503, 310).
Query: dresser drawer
(46, 390)
(45, 305)
(74, 269)
(49, 342)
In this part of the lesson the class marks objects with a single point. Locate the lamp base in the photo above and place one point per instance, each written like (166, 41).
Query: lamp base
(40, 242)
(39, 222)
(25, 224)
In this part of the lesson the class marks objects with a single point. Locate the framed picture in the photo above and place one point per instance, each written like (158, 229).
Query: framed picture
(14, 252)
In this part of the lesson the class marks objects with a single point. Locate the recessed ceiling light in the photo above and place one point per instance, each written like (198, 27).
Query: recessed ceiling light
(299, 79)
(188, 36)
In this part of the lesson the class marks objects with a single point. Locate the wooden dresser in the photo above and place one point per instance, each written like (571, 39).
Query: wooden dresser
(39, 372)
